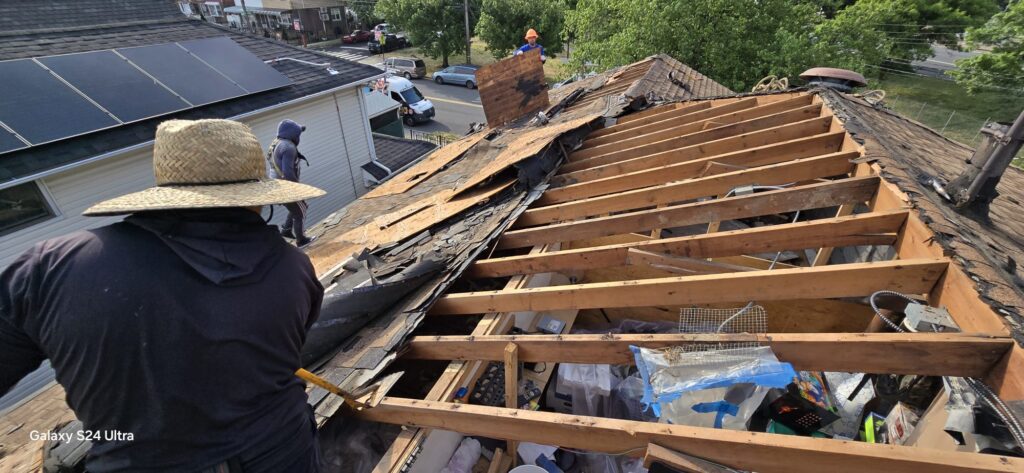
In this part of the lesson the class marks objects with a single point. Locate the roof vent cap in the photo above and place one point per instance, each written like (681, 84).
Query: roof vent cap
(842, 80)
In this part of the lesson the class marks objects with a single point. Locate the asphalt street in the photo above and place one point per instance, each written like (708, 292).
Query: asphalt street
(456, 106)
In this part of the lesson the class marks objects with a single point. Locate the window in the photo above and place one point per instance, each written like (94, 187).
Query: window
(412, 95)
(336, 14)
(214, 10)
(21, 206)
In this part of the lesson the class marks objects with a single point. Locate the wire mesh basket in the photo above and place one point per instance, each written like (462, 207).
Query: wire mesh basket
(750, 318)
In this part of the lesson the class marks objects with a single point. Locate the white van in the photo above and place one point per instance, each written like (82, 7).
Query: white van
(415, 108)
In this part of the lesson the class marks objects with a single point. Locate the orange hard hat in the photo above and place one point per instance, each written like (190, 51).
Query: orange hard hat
(531, 33)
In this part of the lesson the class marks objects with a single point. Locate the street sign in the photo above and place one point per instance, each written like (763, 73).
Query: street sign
(297, 25)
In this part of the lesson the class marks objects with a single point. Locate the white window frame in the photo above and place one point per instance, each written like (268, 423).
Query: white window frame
(51, 206)
(336, 14)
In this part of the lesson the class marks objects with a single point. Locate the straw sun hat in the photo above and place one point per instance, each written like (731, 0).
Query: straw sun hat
(206, 164)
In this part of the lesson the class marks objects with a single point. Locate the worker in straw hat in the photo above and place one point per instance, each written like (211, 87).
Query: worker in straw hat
(176, 332)
(531, 44)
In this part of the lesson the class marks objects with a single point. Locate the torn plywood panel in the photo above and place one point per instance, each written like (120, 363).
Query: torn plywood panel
(430, 165)
(512, 88)
(524, 145)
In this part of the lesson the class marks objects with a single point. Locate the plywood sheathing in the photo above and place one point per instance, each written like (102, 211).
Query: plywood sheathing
(512, 88)
(910, 154)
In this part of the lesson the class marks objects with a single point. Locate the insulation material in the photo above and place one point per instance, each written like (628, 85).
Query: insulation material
(512, 88)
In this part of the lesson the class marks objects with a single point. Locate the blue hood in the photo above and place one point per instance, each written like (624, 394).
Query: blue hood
(289, 130)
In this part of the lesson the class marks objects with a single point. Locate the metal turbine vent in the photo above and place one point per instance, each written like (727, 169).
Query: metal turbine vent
(842, 80)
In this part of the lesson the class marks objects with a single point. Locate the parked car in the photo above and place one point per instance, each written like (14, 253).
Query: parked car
(414, 107)
(357, 36)
(383, 27)
(408, 67)
(391, 43)
(463, 74)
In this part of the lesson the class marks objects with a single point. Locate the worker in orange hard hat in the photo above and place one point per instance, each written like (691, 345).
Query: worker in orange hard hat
(531, 43)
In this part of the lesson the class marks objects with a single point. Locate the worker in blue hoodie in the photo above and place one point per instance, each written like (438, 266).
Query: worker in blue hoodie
(284, 156)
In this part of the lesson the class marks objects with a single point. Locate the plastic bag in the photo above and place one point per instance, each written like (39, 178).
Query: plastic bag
(730, 377)
(465, 457)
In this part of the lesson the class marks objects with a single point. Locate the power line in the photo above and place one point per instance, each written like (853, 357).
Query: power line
(897, 71)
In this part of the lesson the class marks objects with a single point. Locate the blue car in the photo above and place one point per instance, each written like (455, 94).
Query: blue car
(461, 75)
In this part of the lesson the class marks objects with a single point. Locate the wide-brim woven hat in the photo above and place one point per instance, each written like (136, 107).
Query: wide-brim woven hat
(207, 164)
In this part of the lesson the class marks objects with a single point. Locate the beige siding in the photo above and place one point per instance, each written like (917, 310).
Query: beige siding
(336, 144)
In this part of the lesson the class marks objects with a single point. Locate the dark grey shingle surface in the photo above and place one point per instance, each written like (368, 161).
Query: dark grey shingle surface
(165, 24)
(396, 153)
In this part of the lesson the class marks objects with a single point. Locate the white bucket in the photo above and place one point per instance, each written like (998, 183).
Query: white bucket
(528, 469)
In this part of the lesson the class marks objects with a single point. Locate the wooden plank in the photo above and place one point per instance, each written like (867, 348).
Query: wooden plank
(815, 196)
(649, 147)
(680, 264)
(327, 254)
(756, 451)
(933, 354)
(823, 282)
(519, 80)
(532, 142)
(666, 121)
(652, 115)
(511, 358)
(598, 181)
(800, 140)
(680, 461)
(1007, 377)
(956, 291)
(774, 174)
(682, 126)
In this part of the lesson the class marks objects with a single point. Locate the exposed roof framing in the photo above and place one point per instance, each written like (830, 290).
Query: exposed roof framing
(639, 220)
(601, 222)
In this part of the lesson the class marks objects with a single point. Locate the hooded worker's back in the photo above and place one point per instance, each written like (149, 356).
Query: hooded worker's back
(180, 328)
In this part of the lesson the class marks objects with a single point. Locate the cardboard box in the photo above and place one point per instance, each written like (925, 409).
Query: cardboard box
(900, 423)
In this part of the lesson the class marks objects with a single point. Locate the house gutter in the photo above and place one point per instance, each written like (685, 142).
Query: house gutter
(144, 144)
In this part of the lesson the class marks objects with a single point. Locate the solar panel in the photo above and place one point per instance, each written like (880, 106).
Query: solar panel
(115, 84)
(182, 73)
(41, 108)
(237, 63)
(9, 142)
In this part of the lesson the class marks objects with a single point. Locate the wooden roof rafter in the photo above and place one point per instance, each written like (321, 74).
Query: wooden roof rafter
(654, 170)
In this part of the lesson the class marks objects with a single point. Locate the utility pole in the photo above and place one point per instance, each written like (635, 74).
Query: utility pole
(465, 5)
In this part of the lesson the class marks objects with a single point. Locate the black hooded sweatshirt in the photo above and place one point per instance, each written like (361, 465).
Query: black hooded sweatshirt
(181, 328)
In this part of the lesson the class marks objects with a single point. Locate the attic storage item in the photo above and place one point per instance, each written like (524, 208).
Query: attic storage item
(715, 388)
(900, 423)
(465, 457)
(804, 406)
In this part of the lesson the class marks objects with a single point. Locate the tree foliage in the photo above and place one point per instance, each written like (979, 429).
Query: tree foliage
(1003, 66)
(364, 10)
(736, 42)
(437, 27)
(504, 22)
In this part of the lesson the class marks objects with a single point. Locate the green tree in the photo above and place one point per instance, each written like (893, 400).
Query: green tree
(504, 22)
(364, 10)
(437, 27)
(1003, 66)
(735, 42)
(912, 26)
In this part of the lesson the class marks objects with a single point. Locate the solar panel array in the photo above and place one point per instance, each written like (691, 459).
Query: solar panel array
(51, 98)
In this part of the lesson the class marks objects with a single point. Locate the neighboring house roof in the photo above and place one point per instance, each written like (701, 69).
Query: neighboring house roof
(159, 21)
(397, 153)
(912, 154)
